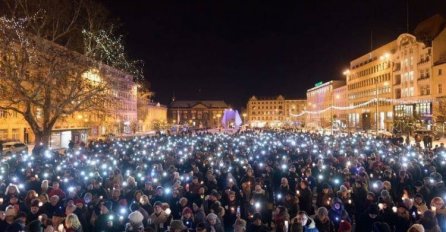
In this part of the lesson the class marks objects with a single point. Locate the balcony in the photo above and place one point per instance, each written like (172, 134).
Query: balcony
(423, 77)
(425, 60)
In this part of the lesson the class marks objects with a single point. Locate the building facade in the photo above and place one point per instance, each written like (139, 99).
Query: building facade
(200, 114)
(319, 100)
(340, 102)
(118, 118)
(151, 116)
(368, 79)
(405, 77)
(274, 112)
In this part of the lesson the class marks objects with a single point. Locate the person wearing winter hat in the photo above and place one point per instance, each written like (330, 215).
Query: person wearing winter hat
(159, 217)
(177, 226)
(213, 223)
(33, 212)
(337, 213)
(345, 226)
(416, 228)
(322, 220)
(187, 216)
(135, 222)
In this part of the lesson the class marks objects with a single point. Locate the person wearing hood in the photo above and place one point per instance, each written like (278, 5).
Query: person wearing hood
(337, 213)
(323, 223)
(302, 222)
(135, 223)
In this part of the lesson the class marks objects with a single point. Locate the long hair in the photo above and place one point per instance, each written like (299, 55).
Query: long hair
(73, 220)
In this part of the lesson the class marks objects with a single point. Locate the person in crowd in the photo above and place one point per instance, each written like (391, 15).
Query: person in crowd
(302, 222)
(72, 223)
(323, 222)
(216, 181)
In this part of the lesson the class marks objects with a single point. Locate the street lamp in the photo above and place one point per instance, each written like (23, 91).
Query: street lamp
(332, 105)
(385, 84)
(383, 58)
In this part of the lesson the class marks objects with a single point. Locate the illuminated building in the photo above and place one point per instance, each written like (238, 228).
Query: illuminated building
(151, 116)
(201, 114)
(340, 100)
(406, 76)
(319, 100)
(119, 117)
(274, 112)
(368, 78)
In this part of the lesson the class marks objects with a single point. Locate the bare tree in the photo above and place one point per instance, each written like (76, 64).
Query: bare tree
(80, 25)
(43, 81)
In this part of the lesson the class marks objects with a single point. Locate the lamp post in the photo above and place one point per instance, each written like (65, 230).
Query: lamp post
(346, 73)
(383, 58)
(332, 105)
(244, 117)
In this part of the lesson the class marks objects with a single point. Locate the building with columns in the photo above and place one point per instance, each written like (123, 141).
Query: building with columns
(200, 114)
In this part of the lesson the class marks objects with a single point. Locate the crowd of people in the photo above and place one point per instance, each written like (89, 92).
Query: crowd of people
(256, 180)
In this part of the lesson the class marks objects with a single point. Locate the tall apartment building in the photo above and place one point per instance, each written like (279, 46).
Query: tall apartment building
(406, 75)
(319, 100)
(369, 78)
(274, 111)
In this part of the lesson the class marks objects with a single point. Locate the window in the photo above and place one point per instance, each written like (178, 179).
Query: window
(440, 89)
(4, 134)
(15, 134)
(440, 72)
(3, 113)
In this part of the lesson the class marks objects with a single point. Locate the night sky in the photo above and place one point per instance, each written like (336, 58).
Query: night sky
(233, 49)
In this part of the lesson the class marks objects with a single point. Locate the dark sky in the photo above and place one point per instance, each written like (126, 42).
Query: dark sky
(233, 49)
